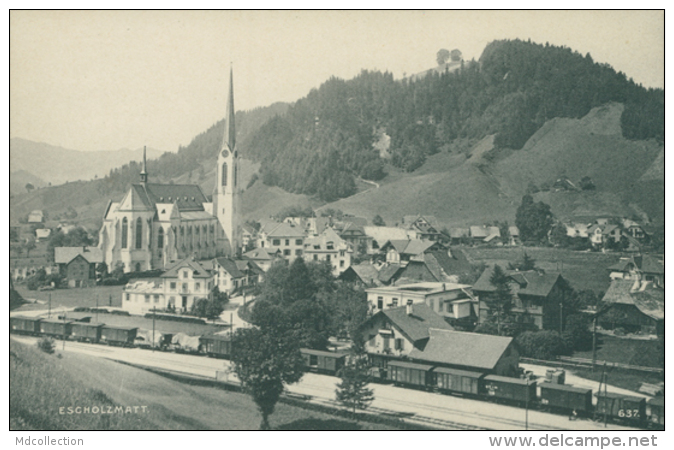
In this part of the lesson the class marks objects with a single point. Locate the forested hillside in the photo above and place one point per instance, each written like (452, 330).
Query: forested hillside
(325, 139)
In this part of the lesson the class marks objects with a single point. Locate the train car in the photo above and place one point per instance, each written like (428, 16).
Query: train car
(656, 412)
(566, 399)
(86, 331)
(456, 381)
(24, 325)
(410, 374)
(621, 408)
(55, 327)
(216, 345)
(123, 336)
(510, 390)
(323, 362)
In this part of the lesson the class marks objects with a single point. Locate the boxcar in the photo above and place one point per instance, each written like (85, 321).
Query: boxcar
(515, 390)
(89, 332)
(621, 407)
(566, 398)
(216, 345)
(656, 413)
(324, 362)
(55, 327)
(24, 325)
(455, 380)
(410, 374)
(123, 336)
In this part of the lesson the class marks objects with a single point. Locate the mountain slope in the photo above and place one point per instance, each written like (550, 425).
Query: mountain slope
(57, 165)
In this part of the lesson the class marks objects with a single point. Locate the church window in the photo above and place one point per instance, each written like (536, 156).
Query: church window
(139, 233)
(224, 174)
(160, 238)
(234, 174)
(125, 232)
(196, 230)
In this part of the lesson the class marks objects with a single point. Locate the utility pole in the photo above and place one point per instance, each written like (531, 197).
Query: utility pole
(154, 309)
(594, 342)
(526, 413)
(64, 329)
(49, 313)
(561, 317)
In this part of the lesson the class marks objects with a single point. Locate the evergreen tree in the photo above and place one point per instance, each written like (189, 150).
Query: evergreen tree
(534, 220)
(353, 391)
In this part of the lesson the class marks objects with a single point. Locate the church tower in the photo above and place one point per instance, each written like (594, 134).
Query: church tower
(227, 194)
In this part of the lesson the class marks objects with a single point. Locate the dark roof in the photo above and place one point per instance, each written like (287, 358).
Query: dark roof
(410, 246)
(365, 272)
(230, 266)
(452, 262)
(388, 272)
(532, 282)
(463, 349)
(416, 325)
(645, 263)
(649, 300)
(259, 253)
(189, 197)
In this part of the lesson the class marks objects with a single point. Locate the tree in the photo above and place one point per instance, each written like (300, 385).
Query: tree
(576, 333)
(28, 246)
(29, 187)
(266, 359)
(353, 391)
(526, 263)
(442, 56)
(534, 220)
(499, 301)
(586, 184)
(456, 55)
(377, 221)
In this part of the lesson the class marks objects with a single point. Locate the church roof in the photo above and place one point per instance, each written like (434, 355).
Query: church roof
(189, 197)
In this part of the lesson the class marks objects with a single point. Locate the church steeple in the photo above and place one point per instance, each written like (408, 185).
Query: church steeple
(143, 170)
(229, 138)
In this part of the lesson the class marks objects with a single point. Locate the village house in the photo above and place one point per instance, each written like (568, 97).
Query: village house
(311, 226)
(262, 257)
(381, 235)
(459, 236)
(485, 235)
(141, 296)
(449, 300)
(248, 235)
(633, 229)
(354, 233)
(514, 238)
(426, 227)
(402, 251)
(284, 237)
(396, 332)
(364, 274)
(537, 296)
(78, 264)
(22, 268)
(184, 283)
(633, 305)
(42, 234)
(230, 275)
(479, 353)
(435, 266)
(36, 216)
(328, 246)
(639, 267)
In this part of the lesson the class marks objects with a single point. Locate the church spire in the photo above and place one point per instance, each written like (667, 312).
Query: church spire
(229, 138)
(143, 170)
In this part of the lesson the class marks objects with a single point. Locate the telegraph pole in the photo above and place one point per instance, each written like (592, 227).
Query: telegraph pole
(594, 342)
(154, 309)
(526, 413)
(49, 314)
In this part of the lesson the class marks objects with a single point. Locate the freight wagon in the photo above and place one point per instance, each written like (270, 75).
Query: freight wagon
(457, 381)
(55, 327)
(323, 362)
(87, 332)
(122, 336)
(621, 408)
(410, 374)
(566, 399)
(509, 390)
(216, 345)
(656, 412)
(24, 325)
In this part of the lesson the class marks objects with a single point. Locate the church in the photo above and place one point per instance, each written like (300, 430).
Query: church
(157, 224)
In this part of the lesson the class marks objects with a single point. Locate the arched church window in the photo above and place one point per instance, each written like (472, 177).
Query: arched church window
(234, 174)
(160, 238)
(196, 230)
(224, 174)
(125, 232)
(139, 233)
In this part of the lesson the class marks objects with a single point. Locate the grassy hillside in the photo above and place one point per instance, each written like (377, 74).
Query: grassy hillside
(41, 383)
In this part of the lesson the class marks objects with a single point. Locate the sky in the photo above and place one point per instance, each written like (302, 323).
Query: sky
(104, 80)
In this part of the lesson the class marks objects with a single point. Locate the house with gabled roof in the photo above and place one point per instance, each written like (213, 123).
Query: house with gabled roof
(364, 274)
(426, 226)
(485, 234)
(185, 282)
(263, 257)
(78, 264)
(329, 246)
(634, 305)
(380, 235)
(402, 251)
(536, 295)
(639, 267)
(284, 237)
(396, 332)
(481, 353)
(437, 266)
(230, 274)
